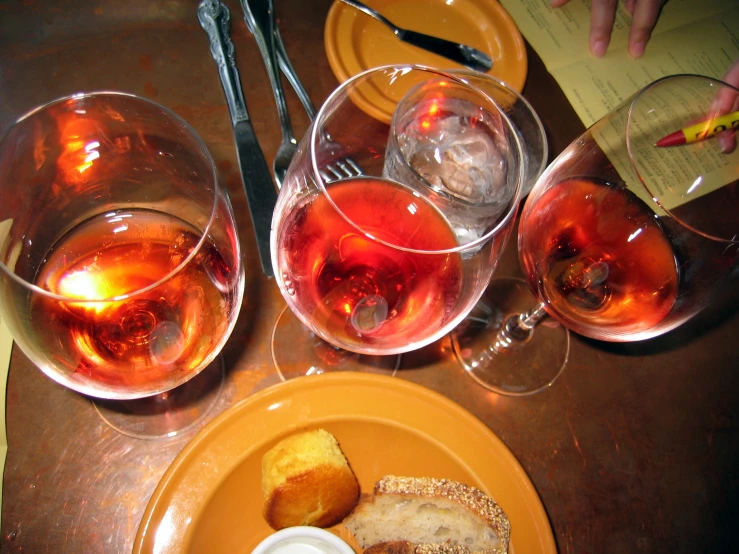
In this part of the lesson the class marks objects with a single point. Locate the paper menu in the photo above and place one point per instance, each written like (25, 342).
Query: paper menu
(6, 346)
(691, 36)
(672, 176)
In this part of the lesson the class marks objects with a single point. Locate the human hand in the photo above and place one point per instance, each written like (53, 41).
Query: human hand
(644, 14)
(727, 101)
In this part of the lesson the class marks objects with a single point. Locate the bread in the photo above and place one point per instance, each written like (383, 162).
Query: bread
(306, 480)
(427, 511)
(406, 547)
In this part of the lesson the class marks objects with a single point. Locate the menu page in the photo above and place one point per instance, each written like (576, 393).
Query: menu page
(6, 346)
(691, 36)
(670, 174)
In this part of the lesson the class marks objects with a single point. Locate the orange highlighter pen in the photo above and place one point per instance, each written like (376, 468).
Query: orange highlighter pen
(701, 131)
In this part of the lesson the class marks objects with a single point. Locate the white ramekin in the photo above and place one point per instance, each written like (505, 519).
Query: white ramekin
(303, 540)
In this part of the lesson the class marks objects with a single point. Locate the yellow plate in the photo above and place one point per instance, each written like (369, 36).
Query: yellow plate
(210, 499)
(355, 41)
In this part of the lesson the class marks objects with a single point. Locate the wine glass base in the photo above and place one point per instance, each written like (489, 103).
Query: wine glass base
(168, 414)
(297, 351)
(517, 368)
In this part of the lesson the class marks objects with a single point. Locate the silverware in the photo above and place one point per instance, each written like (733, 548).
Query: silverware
(342, 168)
(460, 53)
(292, 77)
(262, 25)
(261, 195)
(259, 18)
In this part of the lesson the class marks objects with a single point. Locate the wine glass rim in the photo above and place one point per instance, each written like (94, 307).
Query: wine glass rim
(203, 235)
(513, 203)
(632, 161)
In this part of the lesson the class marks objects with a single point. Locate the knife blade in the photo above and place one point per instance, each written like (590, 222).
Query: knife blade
(460, 53)
(261, 194)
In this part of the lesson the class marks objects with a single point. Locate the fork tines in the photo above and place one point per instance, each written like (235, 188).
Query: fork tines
(340, 169)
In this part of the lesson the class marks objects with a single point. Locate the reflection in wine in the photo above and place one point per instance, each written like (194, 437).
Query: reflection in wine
(599, 258)
(365, 293)
(146, 341)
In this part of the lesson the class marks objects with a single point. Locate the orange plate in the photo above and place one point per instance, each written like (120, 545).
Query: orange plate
(210, 498)
(355, 41)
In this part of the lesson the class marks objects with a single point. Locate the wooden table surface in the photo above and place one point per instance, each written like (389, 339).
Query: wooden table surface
(634, 449)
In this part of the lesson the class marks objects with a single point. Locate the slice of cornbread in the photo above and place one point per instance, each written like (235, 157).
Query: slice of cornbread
(306, 480)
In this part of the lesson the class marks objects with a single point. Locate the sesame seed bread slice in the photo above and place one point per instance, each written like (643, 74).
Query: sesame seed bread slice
(405, 547)
(425, 511)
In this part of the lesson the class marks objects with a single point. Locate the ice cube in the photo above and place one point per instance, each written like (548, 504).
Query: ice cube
(460, 154)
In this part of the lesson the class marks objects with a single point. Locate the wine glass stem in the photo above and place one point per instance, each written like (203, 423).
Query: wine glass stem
(518, 328)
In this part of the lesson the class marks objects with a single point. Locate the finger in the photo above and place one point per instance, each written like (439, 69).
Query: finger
(558, 3)
(643, 21)
(629, 5)
(727, 101)
(726, 141)
(727, 98)
(602, 15)
(732, 75)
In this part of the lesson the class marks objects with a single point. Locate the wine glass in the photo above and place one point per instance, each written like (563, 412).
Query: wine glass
(620, 239)
(385, 262)
(120, 271)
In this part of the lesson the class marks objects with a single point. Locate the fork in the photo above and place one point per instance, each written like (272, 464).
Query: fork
(275, 55)
(341, 168)
(259, 18)
(292, 76)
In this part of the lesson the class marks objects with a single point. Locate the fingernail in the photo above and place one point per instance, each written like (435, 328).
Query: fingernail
(599, 48)
(637, 49)
(726, 142)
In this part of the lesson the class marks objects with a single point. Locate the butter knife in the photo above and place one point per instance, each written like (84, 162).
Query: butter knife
(460, 53)
(261, 194)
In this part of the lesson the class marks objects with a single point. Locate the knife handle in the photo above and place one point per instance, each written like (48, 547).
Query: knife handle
(215, 20)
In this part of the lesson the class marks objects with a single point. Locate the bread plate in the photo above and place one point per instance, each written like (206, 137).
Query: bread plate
(355, 42)
(209, 499)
